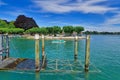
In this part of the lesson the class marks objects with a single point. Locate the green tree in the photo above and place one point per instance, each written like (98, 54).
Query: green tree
(50, 30)
(68, 29)
(37, 30)
(43, 30)
(3, 24)
(56, 30)
(78, 29)
(11, 24)
(33, 30)
(11, 30)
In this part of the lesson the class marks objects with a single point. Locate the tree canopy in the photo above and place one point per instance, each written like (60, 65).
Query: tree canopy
(78, 29)
(70, 29)
(9, 27)
(37, 30)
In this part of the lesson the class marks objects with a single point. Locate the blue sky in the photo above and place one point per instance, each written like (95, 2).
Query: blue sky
(99, 15)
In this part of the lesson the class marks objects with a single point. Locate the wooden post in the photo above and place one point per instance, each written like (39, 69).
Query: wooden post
(7, 46)
(1, 47)
(43, 46)
(76, 48)
(87, 55)
(43, 52)
(37, 58)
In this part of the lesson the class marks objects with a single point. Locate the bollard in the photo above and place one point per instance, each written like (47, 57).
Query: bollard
(87, 55)
(76, 48)
(37, 58)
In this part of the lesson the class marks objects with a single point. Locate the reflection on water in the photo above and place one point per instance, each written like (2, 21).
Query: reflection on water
(37, 76)
(86, 76)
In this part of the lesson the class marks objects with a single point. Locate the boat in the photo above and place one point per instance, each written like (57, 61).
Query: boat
(58, 41)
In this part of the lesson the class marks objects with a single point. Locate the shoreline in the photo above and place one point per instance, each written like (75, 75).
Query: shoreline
(52, 37)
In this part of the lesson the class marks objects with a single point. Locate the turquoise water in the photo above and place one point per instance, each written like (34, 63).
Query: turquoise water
(105, 55)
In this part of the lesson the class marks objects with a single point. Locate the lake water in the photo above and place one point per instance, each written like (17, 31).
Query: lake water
(104, 55)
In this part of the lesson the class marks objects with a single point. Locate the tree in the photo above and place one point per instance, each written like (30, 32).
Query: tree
(78, 29)
(3, 24)
(33, 30)
(68, 29)
(56, 30)
(43, 30)
(50, 30)
(11, 30)
(37, 30)
(11, 24)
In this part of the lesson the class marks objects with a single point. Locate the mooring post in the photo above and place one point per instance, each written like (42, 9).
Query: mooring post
(76, 48)
(43, 51)
(43, 46)
(87, 55)
(37, 58)
(1, 47)
(7, 46)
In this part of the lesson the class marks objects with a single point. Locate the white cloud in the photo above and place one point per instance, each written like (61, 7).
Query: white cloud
(2, 3)
(114, 20)
(111, 24)
(63, 6)
(107, 29)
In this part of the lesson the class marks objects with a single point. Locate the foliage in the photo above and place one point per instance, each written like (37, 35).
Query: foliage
(11, 24)
(44, 30)
(3, 24)
(9, 27)
(68, 29)
(37, 30)
(11, 30)
(105, 33)
(50, 30)
(56, 29)
(78, 29)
